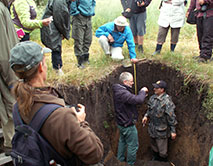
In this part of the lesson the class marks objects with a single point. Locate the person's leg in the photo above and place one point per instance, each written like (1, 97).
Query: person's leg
(6, 105)
(122, 144)
(57, 60)
(141, 30)
(117, 53)
(174, 38)
(87, 39)
(207, 39)
(133, 22)
(199, 27)
(104, 43)
(162, 33)
(154, 148)
(163, 148)
(78, 31)
(132, 144)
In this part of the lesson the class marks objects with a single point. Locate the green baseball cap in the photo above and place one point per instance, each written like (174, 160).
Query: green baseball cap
(26, 54)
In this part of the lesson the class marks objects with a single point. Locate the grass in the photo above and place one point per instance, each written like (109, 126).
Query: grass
(100, 65)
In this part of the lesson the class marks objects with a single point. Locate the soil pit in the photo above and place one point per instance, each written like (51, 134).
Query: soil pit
(194, 130)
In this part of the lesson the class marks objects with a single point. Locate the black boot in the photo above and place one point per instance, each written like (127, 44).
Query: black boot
(86, 58)
(155, 156)
(140, 48)
(158, 49)
(80, 60)
(172, 47)
(163, 159)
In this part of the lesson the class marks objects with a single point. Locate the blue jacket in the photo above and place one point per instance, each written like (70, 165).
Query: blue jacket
(125, 103)
(83, 7)
(119, 37)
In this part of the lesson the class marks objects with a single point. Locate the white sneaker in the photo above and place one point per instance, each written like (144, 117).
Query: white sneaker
(59, 72)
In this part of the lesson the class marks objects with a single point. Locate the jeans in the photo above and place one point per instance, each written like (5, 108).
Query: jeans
(128, 139)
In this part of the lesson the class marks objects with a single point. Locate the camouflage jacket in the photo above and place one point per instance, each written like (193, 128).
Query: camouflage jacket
(162, 119)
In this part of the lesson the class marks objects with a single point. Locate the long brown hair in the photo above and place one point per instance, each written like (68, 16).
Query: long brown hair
(5, 2)
(24, 92)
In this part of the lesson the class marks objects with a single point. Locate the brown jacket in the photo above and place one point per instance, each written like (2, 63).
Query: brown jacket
(64, 132)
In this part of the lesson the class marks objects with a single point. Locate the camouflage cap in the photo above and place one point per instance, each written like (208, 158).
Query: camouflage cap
(160, 84)
(27, 55)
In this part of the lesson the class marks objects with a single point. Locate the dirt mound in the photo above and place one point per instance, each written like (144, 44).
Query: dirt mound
(194, 130)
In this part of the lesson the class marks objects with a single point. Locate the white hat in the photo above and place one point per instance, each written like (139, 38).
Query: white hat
(121, 21)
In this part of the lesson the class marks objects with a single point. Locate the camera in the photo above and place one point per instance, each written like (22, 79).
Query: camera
(139, 1)
(73, 105)
(204, 8)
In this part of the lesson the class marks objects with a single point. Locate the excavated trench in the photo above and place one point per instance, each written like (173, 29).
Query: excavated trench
(194, 130)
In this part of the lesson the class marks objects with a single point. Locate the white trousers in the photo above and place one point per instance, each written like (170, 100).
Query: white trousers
(116, 52)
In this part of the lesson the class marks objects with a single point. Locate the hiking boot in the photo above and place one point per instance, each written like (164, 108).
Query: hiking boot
(140, 48)
(202, 60)
(80, 60)
(86, 58)
(172, 47)
(158, 49)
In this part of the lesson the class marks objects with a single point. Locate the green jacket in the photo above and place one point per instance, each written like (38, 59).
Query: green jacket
(162, 119)
(8, 40)
(22, 8)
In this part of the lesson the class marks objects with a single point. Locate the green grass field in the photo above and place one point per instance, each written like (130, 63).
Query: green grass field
(108, 10)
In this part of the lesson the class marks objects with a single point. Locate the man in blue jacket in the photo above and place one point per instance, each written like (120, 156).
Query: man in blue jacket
(112, 37)
(82, 12)
(126, 116)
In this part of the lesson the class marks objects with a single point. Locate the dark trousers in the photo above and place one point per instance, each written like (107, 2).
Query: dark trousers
(160, 145)
(205, 36)
(26, 37)
(56, 59)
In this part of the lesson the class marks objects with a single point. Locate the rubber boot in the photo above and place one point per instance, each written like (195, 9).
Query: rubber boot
(172, 47)
(86, 58)
(155, 156)
(80, 60)
(140, 48)
(163, 159)
(158, 49)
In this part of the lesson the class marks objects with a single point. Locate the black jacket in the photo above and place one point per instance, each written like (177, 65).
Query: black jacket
(125, 104)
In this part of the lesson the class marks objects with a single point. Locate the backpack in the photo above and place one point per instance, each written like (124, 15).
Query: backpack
(29, 148)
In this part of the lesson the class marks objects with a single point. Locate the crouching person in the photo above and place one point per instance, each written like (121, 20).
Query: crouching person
(65, 128)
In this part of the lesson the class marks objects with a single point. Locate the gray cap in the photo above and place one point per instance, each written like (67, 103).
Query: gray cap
(26, 54)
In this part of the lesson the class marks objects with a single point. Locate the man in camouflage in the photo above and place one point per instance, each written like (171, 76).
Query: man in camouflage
(162, 121)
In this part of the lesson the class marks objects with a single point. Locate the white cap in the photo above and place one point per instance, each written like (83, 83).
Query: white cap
(121, 21)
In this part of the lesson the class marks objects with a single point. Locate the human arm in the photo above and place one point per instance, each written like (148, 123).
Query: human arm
(130, 43)
(61, 17)
(69, 136)
(126, 4)
(191, 7)
(171, 118)
(104, 30)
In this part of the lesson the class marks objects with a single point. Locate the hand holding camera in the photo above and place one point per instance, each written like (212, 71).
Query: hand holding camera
(80, 112)
(140, 3)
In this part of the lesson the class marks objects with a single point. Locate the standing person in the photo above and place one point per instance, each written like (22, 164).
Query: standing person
(8, 39)
(23, 13)
(82, 12)
(162, 120)
(137, 19)
(112, 37)
(65, 129)
(172, 16)
(204, 27)
(126, 116)
(59, 29)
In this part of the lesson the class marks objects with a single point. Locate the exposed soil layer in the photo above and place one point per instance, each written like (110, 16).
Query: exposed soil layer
(194, 130)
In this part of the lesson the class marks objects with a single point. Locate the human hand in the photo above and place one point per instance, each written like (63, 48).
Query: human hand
(141, 4)
(110, 38)
(201, 2)
(128, 10)
(134, 60)
(144, 120)
(80, 113)
(187, 14)
(173, 135)
(145, 89)
(47, 21)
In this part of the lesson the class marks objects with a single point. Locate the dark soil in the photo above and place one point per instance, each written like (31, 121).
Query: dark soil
(194, 130)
